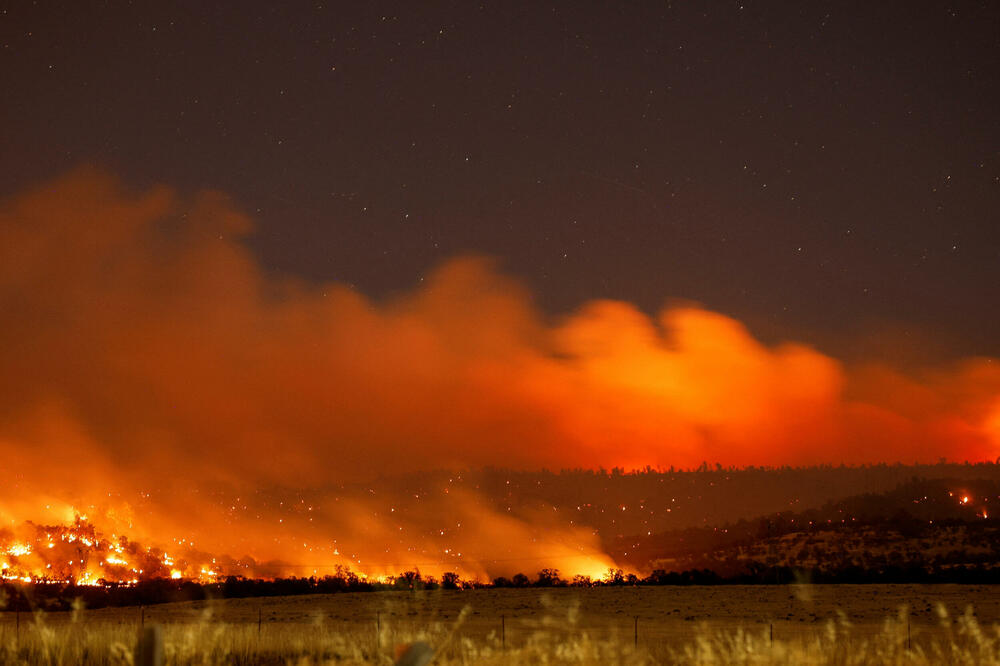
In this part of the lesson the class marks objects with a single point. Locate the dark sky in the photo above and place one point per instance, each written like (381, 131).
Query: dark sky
(823, 171)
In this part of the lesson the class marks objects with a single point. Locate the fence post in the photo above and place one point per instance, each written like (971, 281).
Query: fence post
(636, 634)
(907, 634)
(142, 615)
(149, 648)
(260, 615)
(416, 654)
(771, 632)
(503, 632)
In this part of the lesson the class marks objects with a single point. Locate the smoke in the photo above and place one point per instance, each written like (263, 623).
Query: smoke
(145, 352)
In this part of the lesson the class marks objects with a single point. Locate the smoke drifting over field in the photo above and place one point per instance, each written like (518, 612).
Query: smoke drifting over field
(143, 348)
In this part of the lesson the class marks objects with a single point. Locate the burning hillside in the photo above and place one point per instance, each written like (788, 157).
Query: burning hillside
(81, 555)
(157, 376)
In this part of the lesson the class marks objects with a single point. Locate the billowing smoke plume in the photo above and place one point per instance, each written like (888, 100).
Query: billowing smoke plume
(144, 350)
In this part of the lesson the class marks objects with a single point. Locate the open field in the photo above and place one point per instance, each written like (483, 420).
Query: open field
(815, 623)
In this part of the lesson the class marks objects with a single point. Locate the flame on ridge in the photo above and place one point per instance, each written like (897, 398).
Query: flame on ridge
(79, 554)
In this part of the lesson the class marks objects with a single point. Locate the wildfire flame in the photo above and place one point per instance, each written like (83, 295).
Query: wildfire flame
(79, 554)
(143, 340)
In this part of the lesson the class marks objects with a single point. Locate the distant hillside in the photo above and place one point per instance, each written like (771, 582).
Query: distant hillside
(619, 503)
(637, 516)
(925, 523)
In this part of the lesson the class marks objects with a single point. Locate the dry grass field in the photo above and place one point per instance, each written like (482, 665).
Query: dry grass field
(891, 624)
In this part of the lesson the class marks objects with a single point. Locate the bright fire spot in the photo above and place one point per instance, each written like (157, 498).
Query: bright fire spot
(965, 500)
(175, 574)
(19, 549)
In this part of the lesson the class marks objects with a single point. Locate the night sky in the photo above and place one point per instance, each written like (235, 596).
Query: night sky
(828, 172)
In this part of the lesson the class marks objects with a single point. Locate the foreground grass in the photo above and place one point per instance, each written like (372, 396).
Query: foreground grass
(554, 639)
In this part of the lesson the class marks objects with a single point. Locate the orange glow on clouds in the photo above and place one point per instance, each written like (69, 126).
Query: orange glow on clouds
(142, 342)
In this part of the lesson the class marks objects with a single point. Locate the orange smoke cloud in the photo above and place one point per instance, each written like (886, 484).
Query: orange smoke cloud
(142, 341)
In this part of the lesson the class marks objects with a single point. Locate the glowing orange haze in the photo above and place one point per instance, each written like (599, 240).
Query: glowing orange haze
(142, 345)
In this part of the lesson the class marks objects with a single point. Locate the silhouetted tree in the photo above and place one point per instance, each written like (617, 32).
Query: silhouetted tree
(549, 578)
(451, 581)
(614, 577)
